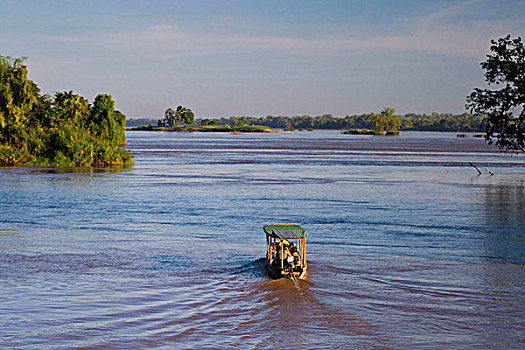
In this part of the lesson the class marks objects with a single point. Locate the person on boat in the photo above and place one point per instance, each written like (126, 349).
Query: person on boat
(284, 249)
(282, 246)
(272, 252)
(283, 242)
(295, 254)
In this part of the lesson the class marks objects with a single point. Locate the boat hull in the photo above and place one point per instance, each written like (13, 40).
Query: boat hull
(278, 273)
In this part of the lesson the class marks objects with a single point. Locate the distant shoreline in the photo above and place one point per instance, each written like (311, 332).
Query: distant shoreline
(409, 122)
(207, 128)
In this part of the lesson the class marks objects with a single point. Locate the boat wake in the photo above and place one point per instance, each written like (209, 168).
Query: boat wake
(255, 268)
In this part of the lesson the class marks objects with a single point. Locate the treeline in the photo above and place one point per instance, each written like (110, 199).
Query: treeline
(411, 121)
(442, 122)
(60, 131)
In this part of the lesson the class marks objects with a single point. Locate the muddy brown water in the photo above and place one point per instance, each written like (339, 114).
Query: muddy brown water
(408, 246)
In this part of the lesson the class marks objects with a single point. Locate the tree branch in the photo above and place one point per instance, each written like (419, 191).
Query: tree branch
(475, 167)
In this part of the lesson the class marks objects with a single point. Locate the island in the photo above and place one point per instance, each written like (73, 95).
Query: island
(205, 128)
(63, 131)
(174, 117)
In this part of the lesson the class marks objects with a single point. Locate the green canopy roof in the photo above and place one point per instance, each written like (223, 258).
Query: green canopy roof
(285, 231)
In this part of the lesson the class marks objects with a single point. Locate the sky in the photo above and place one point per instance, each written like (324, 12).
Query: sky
(258, 58)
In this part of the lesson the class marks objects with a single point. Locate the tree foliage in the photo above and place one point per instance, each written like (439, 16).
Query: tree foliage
(206, 122)
(464, 122)
(386, 120)
(17, 93)
(68, 109)
(175, 117)
(169, 117)
(503, 109)
(105, 122)
(64, 131)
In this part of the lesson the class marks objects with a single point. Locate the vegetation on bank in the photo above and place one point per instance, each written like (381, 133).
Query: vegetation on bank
(205, 128)
(359, 132)
(173, 119)
(408, 122)
(499, 113)
(370, 132)
(64, 131)
(384, 124)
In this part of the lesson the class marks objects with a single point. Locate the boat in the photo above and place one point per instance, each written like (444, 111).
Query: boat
(286, 250)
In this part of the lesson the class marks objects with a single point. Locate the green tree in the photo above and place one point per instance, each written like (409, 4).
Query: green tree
(175, 117)
(206, 122)
(392, 120)
(503, 109)
(105, 122)
(70, 108)
(169, 117)
(386, 120)
(188, 116)
(378, 123)
(18, 95)
(36, 130)
(183, 114)
(242, 121)
(42, 113)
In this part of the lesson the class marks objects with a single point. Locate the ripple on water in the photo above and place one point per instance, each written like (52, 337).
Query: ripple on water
(408, 246)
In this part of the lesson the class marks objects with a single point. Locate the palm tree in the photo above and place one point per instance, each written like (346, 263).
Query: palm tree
(183, 113)
(169, 116)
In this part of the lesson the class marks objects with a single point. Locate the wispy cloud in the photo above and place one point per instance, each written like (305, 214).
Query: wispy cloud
(431, 33)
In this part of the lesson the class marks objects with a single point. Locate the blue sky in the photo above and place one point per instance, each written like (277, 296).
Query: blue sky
(224, 58)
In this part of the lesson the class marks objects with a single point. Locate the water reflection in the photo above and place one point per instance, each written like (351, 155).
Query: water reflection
(77, 170)
(504, 203)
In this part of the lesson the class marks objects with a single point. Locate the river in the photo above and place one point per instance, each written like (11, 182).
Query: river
(408, 247)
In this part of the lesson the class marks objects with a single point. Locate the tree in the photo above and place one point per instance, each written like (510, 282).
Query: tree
(242, 121)
(386, 120)
(36, 130)
(70, 109)
(105, 122)
(172, 117)
(18, 95)
(206, 121)
(503, 110)
(169, 115)
(183, 114)
(378, 123)
(188, 116)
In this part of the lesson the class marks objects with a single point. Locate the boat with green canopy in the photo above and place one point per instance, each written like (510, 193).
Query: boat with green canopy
(286, 250)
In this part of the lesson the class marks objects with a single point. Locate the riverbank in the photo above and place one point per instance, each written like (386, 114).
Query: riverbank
(370, 132)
